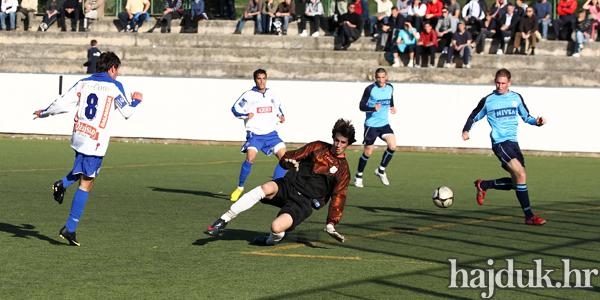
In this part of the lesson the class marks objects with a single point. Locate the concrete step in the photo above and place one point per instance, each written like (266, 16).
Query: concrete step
(110, 24)
(231, 41)
(282, 56)
(286, 71)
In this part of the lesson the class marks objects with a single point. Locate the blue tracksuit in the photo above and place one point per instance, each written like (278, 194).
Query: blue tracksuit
(374, 94)
(503, 112)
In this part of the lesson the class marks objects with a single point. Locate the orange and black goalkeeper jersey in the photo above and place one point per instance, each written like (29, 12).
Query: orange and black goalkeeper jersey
(321, 175)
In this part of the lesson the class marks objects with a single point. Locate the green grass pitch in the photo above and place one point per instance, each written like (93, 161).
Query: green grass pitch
(142, 233)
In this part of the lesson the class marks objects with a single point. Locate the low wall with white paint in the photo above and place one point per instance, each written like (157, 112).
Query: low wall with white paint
(200, 109)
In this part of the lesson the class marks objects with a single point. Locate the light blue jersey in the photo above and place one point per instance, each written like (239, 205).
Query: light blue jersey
(377, 95)
(503, 112)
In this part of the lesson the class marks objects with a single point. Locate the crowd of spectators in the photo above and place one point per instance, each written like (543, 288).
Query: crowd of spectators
(513, 26)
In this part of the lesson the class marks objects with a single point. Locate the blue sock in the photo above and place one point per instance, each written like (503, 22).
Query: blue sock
(278, 172)
(362, 163)
(79, 200)
(244, 172)
(523, 197)
(68, 180)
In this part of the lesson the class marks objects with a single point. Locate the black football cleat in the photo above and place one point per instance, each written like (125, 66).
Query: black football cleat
(69, 236)
(216, 227)
(264, 240)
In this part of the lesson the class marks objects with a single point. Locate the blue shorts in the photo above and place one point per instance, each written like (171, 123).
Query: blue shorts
(372, 133)
(267, 143)
(87, 165)
(507, 150)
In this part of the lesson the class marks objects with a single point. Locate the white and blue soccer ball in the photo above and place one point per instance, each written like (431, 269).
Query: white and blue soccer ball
(443, 197)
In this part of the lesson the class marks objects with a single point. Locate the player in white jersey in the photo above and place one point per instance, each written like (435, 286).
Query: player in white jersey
(261, 112)
(95, 99)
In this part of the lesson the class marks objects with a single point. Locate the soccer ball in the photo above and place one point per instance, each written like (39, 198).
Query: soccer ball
(443, 197)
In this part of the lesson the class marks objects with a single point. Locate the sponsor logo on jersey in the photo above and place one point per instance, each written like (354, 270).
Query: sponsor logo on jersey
(86, 129)
(120, 100)
(505, 112)
(264, 109)
(243, 103)
(106, 112)
(384, 101)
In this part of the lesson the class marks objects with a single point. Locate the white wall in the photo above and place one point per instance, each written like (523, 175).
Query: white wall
(199, 108)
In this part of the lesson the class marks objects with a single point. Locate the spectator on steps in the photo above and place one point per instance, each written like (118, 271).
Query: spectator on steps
(405, 44)
(582, 32)
(487, 31)
(8, 8)
(51, 15)
(403, 7)
(416, 13)
(348, 30)
(389, 31)
(426, 46)
(284, 14)
(252, 13)
(134, 16)
(28, 9)
(543, 13)
(384, 10)
(433, 12)
(566, 21)
(91, 11)
(507, 26)
(593, 7)
(445, 28)
(474, 13)
(267, 14)
(71, 9)
(461, 45)
(454, 9)
(528, 30)
(312, 13)
(172, 10)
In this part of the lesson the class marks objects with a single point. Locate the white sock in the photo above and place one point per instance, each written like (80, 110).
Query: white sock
(246, 202)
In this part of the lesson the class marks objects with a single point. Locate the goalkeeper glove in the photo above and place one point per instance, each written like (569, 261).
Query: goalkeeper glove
(334, 234)
(292, 163)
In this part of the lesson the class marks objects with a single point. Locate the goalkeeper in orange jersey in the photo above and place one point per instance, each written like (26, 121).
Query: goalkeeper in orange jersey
(318, 174)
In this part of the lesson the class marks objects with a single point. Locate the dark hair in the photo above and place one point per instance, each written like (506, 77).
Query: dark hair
(503, 73)
(93, 43)
(380, 70)
(345, 129)
(257, 72)
(106, 61)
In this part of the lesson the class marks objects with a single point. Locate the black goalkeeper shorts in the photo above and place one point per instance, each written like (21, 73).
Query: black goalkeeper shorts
(291, 202)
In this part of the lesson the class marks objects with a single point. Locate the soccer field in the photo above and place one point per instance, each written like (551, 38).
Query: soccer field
(142, 234)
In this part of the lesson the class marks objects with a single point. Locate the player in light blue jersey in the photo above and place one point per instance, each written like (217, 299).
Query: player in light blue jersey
(261, 111)
(377, 102)
(503, 109)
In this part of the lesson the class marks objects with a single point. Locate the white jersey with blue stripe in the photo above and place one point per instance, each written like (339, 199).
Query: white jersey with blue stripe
(265, 107)
(373, 95)
(503, 112)
(95, 98)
